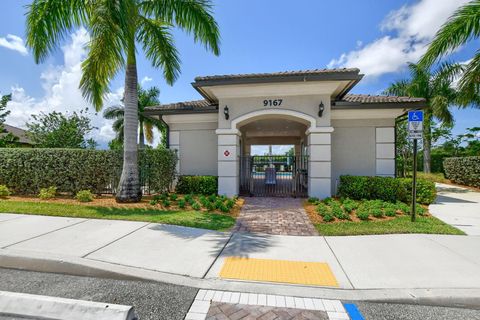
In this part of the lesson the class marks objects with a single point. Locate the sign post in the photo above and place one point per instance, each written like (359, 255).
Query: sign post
(415, 130)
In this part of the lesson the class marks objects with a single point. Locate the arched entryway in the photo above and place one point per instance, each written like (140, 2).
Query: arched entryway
(273, 157)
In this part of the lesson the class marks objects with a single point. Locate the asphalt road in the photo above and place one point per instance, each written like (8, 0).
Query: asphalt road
(152, 300)
(391, 311)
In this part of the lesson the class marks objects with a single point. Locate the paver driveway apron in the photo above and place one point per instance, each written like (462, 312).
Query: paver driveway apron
(282, 216)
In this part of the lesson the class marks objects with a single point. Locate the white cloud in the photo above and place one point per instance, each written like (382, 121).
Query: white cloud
(145, 80)
(411, 29)
(60, 83)
(15, 43)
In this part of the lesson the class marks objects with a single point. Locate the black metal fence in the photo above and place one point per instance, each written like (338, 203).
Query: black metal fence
(274, 176)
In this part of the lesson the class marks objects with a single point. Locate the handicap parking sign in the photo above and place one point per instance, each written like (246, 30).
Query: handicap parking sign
(415, 115)
(415, 124)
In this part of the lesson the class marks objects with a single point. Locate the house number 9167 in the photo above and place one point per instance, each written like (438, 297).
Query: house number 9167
(272, 103)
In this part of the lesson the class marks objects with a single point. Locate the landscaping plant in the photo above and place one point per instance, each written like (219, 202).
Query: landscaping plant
(47, 193)
(84, 196)
(4, 192)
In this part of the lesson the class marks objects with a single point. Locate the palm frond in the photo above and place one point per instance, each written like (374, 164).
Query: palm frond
(398, 88)
(440, 109)
(49, 22)
(159, 47)
(469, 83)
(463, 25)
(193, 16)
(105, 57)
(148, 131)
(114, 112)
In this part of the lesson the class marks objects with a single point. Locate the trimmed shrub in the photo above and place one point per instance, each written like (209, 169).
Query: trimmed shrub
(166, 203)
(313, 200)
(349, 205)
(385, 188)
(47, 193)
(323, 209)
(153, 202)
(196, 206)
(84, 196)
(173, 197)
(362, 214)
(206, 185)
(4, 191)
(390, 212)
(463, 170)
(327, 217)
(26, 171)
(182, 203)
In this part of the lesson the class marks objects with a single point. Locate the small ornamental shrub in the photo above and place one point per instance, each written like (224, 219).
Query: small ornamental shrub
(212, 198)
(323, 209)
(337, 210)
(327, 217)
(313, 200)
(390, 212)
(173, 197)
(230, 203)
(376, 212)
(210, 206)
(153, 202)
(328, 200)
(196, 206)
(4, 192)
(420, 210)
(224, 208)
(218, 203)
(47, 193)
(84, 196)
(405, 208)
(426, 191)
(205, 185)
(362, 214)
(166, 203)
(349, 205)
(182, 203)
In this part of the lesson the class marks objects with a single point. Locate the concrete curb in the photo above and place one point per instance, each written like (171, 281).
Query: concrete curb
(44, 307)
(34, 261)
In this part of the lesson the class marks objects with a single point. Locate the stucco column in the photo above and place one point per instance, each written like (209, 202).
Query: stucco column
(320, 162)
(385, 151)
(228, 162)
(174, 139)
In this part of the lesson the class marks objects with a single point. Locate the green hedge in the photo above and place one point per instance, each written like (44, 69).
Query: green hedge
(26, 171)
(205, 185)
(385, 188)
(463, 170)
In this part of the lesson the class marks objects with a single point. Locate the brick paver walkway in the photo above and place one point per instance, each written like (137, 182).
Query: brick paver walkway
(283, 216)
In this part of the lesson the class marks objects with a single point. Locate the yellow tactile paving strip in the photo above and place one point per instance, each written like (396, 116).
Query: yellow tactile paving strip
(296, 272)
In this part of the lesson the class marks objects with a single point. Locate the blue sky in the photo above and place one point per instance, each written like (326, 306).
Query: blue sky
(379, 37)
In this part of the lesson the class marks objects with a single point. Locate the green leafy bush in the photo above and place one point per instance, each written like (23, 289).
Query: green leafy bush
(230, 203)
(313, 200)
(173, 197)
(84, 196)
(349, 205)
(337, 210)
(153, 202)
(182, 203)
(26, 171)
(166, 203)
(463, 170)
(390, 212)
(206, 185)
(224, 208)
(323, 209)
(327, 217)
(376, 212)
(385, 188)
(196, 206)
(362, 214)
(4, 191)
(47, 193)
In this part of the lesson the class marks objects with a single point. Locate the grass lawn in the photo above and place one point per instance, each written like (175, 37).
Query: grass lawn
(187, 218)
(401, 224)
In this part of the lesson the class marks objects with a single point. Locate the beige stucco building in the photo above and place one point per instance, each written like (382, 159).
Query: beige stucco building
(333, 132)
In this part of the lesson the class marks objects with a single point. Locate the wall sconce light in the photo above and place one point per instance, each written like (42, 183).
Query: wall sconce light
(225, 112)
(321, 107)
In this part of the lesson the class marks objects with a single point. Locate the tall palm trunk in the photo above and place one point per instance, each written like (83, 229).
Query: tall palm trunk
(427, 142)
(129, 187)
(141, 136)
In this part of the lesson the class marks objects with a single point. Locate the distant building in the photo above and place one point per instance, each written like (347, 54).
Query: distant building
(24, 141)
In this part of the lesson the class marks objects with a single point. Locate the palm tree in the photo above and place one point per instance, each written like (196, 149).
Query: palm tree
(146, 124)
(436, 88)
(118, 28)
(461, 27)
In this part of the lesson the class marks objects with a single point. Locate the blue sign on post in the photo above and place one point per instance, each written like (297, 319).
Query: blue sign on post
(415, 124)
(415, 115)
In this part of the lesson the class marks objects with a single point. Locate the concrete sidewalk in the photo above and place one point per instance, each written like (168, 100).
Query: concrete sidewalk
(459, 207)
(393, 264)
